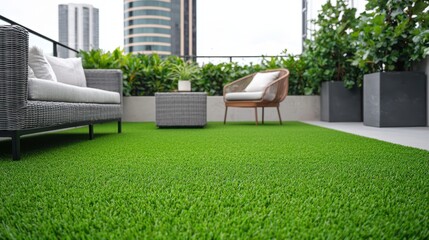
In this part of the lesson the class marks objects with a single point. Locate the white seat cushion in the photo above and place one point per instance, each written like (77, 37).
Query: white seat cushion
(243, 96)
(43, 90)
(248, 96)
(68, 70)
(260, 81)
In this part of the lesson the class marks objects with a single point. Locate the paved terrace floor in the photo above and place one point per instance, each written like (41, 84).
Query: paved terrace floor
(417, 137)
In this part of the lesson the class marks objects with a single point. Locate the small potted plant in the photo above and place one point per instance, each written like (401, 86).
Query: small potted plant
(328, 57)
(391, 39)
(184, 72)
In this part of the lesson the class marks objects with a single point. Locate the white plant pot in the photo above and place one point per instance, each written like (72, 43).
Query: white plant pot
(184, 86)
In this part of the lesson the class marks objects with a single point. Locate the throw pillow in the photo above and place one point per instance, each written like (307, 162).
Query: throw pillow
(68, 70)
(260, 81)
(41, 68)
(31, 73)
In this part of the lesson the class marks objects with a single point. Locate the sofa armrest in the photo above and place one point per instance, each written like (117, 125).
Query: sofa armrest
(105, 79)
(13, 76)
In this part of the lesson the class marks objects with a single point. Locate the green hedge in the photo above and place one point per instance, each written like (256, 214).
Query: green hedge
(146, 74)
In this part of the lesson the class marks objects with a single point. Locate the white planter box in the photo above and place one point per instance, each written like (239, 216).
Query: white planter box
(184, 86)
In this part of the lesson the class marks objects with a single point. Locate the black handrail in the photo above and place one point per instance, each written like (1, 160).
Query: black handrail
(55, 43)
(186, 57)
(194, 57)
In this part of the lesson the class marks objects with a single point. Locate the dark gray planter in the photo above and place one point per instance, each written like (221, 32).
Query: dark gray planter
(339, 104)
(395, 99)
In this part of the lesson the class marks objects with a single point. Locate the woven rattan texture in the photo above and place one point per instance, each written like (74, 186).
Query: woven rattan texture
(48, 114)
(181, 109)
(13, 76)
(106, 79)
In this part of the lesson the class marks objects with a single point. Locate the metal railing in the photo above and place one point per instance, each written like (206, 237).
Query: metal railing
(239, 59)
(229, 58)
(55, 44)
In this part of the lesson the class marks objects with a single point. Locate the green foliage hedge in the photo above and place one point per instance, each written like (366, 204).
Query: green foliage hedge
(146, 74)
(332, 48)
(392, 35)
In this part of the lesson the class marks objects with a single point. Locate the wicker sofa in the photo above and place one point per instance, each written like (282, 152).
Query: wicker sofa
(20, 115)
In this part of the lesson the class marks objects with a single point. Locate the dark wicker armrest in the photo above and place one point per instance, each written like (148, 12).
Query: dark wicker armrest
(105, 79)
(13, 75)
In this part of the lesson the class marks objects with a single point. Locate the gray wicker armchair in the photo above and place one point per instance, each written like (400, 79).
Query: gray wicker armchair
(20, 116)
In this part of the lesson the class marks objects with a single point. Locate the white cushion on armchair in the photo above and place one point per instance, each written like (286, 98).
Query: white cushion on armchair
(249, 96)
(260, 81)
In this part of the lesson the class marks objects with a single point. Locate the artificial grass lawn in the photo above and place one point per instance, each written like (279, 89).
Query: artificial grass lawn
(233, 181)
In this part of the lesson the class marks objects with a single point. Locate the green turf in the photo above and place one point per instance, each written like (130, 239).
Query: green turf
(234, 181)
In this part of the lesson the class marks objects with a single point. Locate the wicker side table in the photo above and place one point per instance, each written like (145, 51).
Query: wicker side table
(181, 109)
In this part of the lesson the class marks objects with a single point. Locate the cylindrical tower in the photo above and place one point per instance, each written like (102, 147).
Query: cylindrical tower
(147, 25)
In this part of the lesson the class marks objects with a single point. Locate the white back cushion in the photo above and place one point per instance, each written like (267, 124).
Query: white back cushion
(30, 72)
(260, 81)
(68, 70)
(41, 68)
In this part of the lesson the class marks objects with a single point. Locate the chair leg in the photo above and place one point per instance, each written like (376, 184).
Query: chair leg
(91, 131)
(280, 118)
(226, 112)
(16, 147)
(256, 115)
(262, 115)
(119, 126)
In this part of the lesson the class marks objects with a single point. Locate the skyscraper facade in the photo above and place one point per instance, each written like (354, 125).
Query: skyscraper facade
(165, 27)
(78, 28)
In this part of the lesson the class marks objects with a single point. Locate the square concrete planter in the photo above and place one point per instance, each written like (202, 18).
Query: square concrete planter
(395, 99)
(339, 104)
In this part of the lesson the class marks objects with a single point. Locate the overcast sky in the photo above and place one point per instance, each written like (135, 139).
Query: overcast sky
(224, 27)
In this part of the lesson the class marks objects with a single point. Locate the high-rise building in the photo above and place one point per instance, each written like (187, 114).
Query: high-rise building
(78, 28)
(165, 27)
